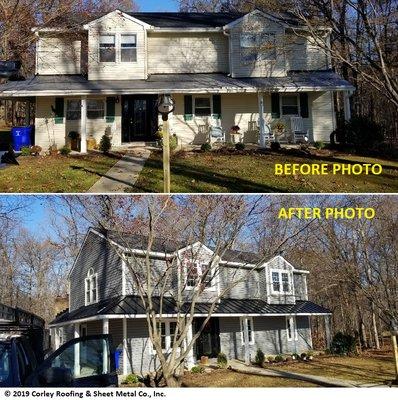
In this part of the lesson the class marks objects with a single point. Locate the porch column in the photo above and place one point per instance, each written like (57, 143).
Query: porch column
(246, 341)
(105, 331)
(261, 121)
(76, 335)
(125, 358)
(328, 335)
(83, 128)
(190, 358)
(347, 107)
(55, 334)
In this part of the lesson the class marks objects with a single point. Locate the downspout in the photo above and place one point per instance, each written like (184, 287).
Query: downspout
(228, 35)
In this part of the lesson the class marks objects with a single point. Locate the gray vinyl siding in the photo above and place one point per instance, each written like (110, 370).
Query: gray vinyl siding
(248, 283)
(98, 254)
(300, 286)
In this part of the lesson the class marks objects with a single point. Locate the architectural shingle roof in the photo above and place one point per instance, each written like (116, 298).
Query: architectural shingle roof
(132, 305)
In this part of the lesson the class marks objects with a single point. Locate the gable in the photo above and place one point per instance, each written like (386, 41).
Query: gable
(116, 18)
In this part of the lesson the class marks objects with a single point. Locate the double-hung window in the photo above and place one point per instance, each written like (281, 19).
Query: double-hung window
(167, 330)
(290, 105)
(197, 271)
(249, 322)
(128, 48)
(280, 282)
(73, 110)
(95, 109)
(107, 44)
(91, 287)
(291, 329)
(202, 106)
(258, 46)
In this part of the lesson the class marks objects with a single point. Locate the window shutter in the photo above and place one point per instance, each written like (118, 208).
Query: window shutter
(188, 114)
(59, 110)
(304, 105)
(275, 111)
(110, 109)
(217, 106)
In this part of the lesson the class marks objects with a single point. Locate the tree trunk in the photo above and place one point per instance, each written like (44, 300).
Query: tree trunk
(374, 328)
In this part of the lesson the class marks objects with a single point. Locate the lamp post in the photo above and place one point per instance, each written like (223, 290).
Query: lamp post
(394, 334)
(165, 107)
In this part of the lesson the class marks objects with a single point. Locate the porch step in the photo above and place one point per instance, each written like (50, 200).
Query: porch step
(137, 144)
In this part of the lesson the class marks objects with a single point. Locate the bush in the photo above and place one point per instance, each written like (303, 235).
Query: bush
(303, 356)
(173, 140)
(205, 147)
(319, 145)
(271, 359)
(279, 358)
(131, 379)
(295, 356)
(105, 144)
(260, 357)
(25, 151)
(222, 360)
(35, 150)
(197, 369)
(275, 146)
(240, 146)
(343, 344)
(65, 151)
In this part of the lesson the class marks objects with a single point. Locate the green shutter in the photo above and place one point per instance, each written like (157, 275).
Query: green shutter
(304, 105)
(59, 110)
(275, 110)
(188, 113)
(217, 106)
(110, 109)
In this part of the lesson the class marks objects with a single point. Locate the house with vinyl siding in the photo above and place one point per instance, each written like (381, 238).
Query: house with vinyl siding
(104, 76)
(269, 303)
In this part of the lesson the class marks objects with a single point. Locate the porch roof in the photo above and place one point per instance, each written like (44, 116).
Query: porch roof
(72, 85)
(132, 307)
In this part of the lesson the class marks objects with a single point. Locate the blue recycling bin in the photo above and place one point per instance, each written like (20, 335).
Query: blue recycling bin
(21, 137)
(118, 355)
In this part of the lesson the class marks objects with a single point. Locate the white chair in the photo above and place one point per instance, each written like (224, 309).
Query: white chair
(268, 134)
(216, 134)
(298, 131)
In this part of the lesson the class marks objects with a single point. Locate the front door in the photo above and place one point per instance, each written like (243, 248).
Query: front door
(208, 343)
(139, 118)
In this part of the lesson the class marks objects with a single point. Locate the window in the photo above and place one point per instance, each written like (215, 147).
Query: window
(202, 106)
(167, 331)
(197, 271)
(250, 331)
(128, 49)
(291, 329)
(280, 282)
(107, 48)
(91, 287)
(192, 275)
(73, 110)
(258, 46)
(95, 109)
(290, 105)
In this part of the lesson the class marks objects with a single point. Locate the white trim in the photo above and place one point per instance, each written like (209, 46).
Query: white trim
(242, 321)
(292, 334)
(114, 34)
(290, 281)
(125, 346)
(252, 13)
(183, 30)
(89, 278)
(298, 105)
(120, 14)
(123, 276)
(168, 343)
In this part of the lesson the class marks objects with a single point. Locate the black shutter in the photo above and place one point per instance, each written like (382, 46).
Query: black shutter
(110, 109)
(304, 105)
(217, 106)
(59, 110)
(275, 111)
(188, 114)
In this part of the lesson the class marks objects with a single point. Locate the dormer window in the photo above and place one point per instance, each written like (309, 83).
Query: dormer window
(195, 272)
(91, 287)
(128, 49)
(258, 46)
(107, 44)
(280, 282)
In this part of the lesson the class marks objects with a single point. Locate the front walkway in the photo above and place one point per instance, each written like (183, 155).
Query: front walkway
(123, 175)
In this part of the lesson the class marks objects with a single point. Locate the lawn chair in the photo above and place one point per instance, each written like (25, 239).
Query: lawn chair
(216, 134)
(268, 134)
(300, 135)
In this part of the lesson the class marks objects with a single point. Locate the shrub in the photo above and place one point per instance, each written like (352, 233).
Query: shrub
(275, 146)
(105, 144)
(279, 358)
(295, 356)
(205, 147)
(173, 140)
(131, 379)
(303, 356)
(222, 360)
(343, 344)
(25, 151)
(260, 357)
(240, 146)
(35, 150)
(319, 145)
(197, 369)
(271, 359)
(65, 151)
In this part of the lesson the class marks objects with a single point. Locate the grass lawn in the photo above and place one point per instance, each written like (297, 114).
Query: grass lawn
(55, 174)
(226, 378)
(254, 172)
(373, 367)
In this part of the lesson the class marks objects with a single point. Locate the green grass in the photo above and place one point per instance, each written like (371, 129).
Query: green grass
(54, 174)
(254, 172)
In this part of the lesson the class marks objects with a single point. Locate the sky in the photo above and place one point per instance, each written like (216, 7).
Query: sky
(158, 5)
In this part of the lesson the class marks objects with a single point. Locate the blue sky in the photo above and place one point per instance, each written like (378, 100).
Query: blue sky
(158, 5)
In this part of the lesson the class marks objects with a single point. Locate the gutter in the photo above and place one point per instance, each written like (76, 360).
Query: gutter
(228, 35)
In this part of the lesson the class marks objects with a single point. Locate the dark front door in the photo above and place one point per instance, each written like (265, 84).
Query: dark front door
(139, 118)
(208, 343)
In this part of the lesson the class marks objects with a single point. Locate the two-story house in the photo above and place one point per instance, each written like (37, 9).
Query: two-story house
(104, 76)
(268, 299)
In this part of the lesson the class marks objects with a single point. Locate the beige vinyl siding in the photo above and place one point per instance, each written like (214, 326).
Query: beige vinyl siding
(58, 55)
(187, 53)
(322, 115)
(116, 24)
(48, 132)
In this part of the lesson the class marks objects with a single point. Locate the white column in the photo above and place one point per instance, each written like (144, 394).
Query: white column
(246, 341)
(125, 358)
(77, 352)
(347, 108)
(190, 358)
(105, 331)
(55, 334)
(83, 128)
(261, 121)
